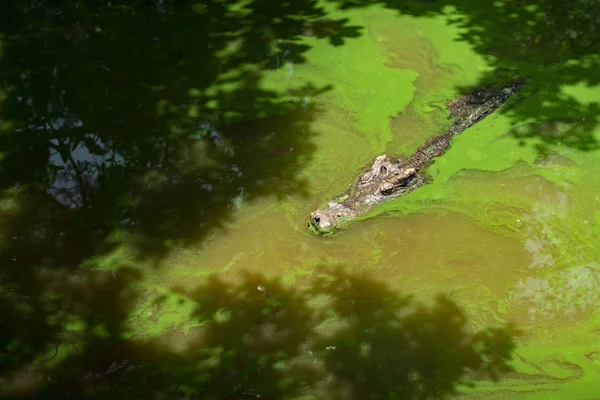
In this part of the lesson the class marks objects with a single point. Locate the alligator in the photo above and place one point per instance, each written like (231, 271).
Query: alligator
(388, 178)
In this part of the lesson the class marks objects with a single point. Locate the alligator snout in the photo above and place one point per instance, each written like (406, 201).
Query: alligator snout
(321, 220)
(327, 219)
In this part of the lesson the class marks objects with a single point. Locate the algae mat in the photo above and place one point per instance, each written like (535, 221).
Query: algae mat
(401, 303)
(506, 229)
(507, 233)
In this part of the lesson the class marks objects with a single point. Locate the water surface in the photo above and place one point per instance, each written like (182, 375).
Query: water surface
(156, 182)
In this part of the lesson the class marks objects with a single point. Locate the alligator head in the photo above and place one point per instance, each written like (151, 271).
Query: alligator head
(384, 180)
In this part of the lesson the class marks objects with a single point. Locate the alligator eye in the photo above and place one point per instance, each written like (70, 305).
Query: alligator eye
(316, 220)
(408, 181)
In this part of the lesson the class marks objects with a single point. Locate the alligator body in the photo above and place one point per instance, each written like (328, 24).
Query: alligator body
(388, 178)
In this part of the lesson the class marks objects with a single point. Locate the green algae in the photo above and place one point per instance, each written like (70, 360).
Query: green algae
(160, 311)
(468, 180)
(477, 177)
(362, 85)
(75, 324)
(365, 93)
(509, 187)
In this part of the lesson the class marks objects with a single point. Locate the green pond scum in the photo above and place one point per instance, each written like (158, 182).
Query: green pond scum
(158, 160)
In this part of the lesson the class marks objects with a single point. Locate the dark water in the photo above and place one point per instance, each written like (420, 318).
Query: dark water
(158, 160)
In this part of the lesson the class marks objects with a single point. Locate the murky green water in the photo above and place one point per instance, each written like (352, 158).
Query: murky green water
(159, 162)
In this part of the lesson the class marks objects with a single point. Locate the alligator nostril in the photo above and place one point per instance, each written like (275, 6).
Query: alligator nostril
(316, 220)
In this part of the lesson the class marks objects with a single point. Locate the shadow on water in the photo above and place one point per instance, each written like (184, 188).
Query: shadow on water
(130, 117)
(126, 123)
(336, 335)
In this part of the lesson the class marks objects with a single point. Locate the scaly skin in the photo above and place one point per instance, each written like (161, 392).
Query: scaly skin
(388, 178)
